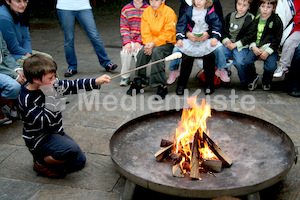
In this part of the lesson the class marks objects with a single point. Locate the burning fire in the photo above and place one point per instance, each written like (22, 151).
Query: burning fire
(193, 121)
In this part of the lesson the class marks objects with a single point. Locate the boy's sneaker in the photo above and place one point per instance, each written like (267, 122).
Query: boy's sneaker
(223, 75)
(134, 87)
(42, 170)
(266, 87)
(111, 67)
(252, 86)
(173, 76)
(70, 73)
(124, 82)
(280, 71)
(11, 111)
(5, 121)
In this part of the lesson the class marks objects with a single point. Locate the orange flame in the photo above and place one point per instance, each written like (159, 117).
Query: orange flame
(193, 119)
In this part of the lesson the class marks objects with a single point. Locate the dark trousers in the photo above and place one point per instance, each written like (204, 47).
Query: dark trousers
(158, 73)
(61, 147)
(187, 66)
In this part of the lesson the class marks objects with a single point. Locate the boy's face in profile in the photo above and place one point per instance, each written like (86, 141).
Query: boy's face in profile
(242, 6)
(47, 79)
(155, 4)
(266, 9)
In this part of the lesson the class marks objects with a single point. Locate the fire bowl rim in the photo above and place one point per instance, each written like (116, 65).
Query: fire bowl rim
(190, 193)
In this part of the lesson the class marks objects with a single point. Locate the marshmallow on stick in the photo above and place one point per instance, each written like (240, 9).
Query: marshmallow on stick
(168, 58)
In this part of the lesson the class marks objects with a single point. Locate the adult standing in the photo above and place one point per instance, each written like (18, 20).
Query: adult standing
(14, 20)
(67, 11)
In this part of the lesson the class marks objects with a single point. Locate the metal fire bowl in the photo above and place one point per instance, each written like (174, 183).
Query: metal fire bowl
(262, 154)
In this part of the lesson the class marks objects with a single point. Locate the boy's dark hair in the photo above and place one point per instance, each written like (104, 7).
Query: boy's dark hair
(36, 66)
(272, 2)
(249, 1)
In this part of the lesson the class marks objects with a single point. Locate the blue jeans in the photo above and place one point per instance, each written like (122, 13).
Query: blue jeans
(86, 19)
(270, 65)
(174, 64)
(9, 87)
(238, 59)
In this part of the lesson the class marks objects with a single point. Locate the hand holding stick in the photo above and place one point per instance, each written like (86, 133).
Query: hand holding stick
(168, 58)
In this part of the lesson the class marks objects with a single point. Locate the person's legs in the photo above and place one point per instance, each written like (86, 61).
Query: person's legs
(67, 20)
(238, 62)
(185, 71)
(60, 153)
(289, 48)
(174, 64)
(209, 72)
(270, 65)
(221, 63)
(86, 19)
(158, 75)
(126, 58)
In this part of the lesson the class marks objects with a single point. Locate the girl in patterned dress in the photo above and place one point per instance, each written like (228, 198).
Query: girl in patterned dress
(198, 34)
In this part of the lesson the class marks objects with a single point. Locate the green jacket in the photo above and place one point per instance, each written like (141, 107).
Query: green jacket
(8, 64)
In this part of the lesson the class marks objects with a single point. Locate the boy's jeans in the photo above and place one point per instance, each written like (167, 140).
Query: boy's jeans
(9, 87)
(174, 64)
(270, 65)
(238, 59)
(86, 19)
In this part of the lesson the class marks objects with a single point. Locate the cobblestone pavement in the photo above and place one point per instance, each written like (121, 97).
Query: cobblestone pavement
(93, 123)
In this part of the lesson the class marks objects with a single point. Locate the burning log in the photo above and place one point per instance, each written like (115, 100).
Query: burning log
(165, 143)
(214, 165)
(217, 151)
(176, 157)
(161, 154)
(177, 172)
(195, 174)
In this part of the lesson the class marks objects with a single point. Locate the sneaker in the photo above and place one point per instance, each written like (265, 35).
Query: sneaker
(266, 87)
(134, 86)
(5, 121)
(280, 71)
(42, 170)
(11, 111)
(111, 67)
(252, 86)
(124, 82)
(173, 76)
(70, 73)
(223, 75)
(162, 91)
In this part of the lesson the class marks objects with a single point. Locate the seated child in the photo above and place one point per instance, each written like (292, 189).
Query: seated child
(54, 152)
(203, 22)
(174, 64)
(130, 28)
(158, 29)
(265, 45)
(238, 32)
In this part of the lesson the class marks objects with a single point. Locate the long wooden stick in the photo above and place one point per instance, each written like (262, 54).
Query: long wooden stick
(141, 67)
(170, 57)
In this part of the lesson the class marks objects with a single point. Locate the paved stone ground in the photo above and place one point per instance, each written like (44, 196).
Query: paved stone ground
(93, 126)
